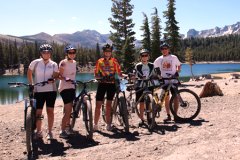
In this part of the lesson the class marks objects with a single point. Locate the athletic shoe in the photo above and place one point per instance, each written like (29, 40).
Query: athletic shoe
(63, 134)
(109, 127)
(141, 123)
(49, 136)
(168, 118)
(69, 130)
(38, 135)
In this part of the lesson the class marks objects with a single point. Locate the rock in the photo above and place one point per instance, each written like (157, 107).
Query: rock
(211, 89)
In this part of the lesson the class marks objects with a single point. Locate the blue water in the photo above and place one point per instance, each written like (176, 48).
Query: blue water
(200, 69)
(11, 95)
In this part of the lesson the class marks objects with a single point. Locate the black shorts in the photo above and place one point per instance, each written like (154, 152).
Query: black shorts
(103, 88)
(171, 89)
(68, 95)
(48, 97)
(139, 94)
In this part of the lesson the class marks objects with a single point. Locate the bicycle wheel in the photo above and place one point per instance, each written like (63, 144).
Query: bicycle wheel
(148, 102)
(88, 118)
(123, 113)
(29, 129)
(189, 105)
(75, 114)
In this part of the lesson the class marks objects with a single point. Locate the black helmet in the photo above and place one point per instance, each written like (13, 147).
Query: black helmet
(107, 47)
(70, 47)
(164, 45)
(143, 51)
(45, 47)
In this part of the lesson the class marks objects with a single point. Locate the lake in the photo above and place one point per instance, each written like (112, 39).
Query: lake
(11, 95)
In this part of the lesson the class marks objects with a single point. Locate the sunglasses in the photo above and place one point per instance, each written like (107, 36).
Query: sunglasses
(71, 52)
(145, 55)
(46, 52)
(164, 48)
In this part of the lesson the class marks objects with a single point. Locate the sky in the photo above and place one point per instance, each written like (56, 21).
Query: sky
(29, 17)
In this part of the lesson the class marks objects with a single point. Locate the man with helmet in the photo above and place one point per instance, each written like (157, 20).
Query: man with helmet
(169, 65)
(105, 69)
(67, 71)
(44, 69)
(144, 70)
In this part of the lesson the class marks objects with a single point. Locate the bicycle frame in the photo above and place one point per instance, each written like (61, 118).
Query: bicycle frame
(83, 102)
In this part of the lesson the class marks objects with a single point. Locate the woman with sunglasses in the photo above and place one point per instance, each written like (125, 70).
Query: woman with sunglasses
(144, 70)
(44, 69)
(67, 71)
(169, 65)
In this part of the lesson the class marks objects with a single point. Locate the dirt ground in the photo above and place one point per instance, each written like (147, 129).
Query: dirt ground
(214, 134)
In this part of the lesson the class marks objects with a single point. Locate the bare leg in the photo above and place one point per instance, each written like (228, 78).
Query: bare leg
(50, 114)
(66, 115)
(38, 120)
(97, 111)
(108, 112)
(141, 110)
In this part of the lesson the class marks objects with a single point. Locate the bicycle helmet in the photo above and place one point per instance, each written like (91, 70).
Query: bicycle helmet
(107, 47)
(70, 47)
(45, 47)
(164, 45)
(143, 51)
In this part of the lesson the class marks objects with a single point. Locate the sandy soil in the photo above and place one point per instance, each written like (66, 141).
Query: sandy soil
(214, 134)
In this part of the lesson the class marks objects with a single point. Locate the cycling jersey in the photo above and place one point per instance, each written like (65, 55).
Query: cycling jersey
(43, 72)
(106, 67)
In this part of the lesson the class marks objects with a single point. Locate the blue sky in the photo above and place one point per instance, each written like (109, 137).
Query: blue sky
(27, 17)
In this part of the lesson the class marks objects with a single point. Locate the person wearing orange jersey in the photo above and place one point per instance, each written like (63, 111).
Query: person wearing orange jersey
(106, 69)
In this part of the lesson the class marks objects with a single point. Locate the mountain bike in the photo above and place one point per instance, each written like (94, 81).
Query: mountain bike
(147, 97)
(189, 102)
(83, 103)
(29, 112)
(119, 106)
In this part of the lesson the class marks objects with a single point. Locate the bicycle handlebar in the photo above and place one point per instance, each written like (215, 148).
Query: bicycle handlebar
(19, 84)
(81, 82)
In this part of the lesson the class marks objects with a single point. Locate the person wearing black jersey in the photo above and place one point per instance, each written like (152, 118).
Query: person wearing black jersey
(144, 69)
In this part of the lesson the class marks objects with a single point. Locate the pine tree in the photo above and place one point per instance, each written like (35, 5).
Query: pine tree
(146, 41)
(156, 35)
(98, 52)
(128, 56)
(172, 30)
(122, 24)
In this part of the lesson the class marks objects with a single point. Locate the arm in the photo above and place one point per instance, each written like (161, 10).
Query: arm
(29, 76)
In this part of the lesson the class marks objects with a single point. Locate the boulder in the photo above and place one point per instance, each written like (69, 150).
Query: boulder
(211, 89)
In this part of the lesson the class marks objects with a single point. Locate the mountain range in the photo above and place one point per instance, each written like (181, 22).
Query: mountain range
(89, 38)
(215, 32)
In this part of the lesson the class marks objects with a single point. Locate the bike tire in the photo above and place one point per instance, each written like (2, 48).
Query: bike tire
(75, 114)
(124, 113)
(148, 102)
(189, 105)
(29, 130)
(88, 118)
